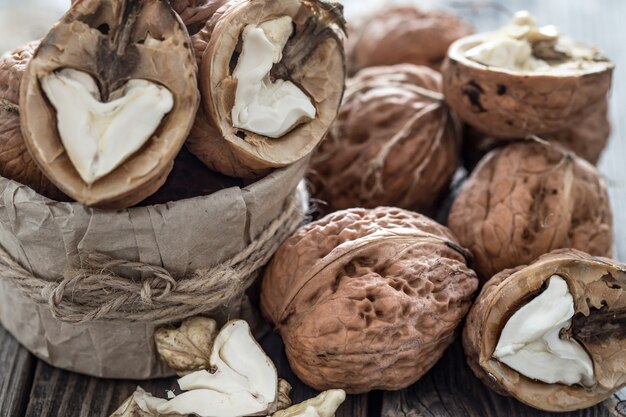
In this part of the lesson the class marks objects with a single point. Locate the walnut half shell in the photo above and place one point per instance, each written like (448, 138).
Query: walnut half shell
(598, 289)
(112, 44)
(312, 60)
(367, 299)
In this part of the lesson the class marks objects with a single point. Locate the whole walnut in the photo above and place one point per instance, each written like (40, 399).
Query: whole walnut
(367, 299)
(15, 161)
(403, 34)
(587, 139)
(394, 138)
(526, 199)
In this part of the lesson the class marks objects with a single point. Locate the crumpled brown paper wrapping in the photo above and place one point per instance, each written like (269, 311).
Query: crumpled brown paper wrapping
(45, 236)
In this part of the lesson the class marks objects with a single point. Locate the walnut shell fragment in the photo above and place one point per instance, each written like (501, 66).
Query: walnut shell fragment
(597, 288)
(116, 50)
(527, 199)
(403, 34)
(15, 161)
(512, 104)
(394, 137)
(367, 299)
(311, 62)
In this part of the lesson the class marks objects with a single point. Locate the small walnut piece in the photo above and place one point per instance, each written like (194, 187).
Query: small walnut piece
(403, 34)
(188, 347)
(141, 404)
(271, 75)
(241, 380)
(551, 334)
(531, 342)
(108, 100)
(524, 79)
(367, 299)
(526, 199)
(324, 405)
(393, 138)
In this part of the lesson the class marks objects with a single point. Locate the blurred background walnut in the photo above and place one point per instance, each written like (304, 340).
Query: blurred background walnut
(402, 34)
(394, 139)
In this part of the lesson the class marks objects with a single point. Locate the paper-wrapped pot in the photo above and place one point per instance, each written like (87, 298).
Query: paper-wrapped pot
(84, 289)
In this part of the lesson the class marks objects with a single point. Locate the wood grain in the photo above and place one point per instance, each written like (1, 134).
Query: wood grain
(16, 374)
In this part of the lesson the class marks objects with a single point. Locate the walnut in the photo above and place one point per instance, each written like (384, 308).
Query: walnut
(195, 13)
(253, 121)
(587, 138)
(571, 355)
(108, 99)
(526, 199)
(403, 34)
(367, 299)
(394, 136)
(15, 161)
(511, 85)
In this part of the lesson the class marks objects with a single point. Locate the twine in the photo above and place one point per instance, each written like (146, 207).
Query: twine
(97, 290)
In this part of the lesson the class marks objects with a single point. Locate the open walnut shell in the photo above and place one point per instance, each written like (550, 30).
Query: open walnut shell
(312, 60)
(112, 43)
(15, 161)
(403, 35)
(510, 104)
(394, 136)
(587, 139)
(367, 299)
(598, 289)
(526, 199)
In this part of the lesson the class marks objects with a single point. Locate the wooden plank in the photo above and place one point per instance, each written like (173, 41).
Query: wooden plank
(16, 374)
(57, 393)
(450, 389)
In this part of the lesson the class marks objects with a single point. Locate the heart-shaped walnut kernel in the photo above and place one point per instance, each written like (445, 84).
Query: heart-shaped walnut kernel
(108, 100)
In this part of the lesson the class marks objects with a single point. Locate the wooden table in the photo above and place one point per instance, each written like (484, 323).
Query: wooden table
(29, 387)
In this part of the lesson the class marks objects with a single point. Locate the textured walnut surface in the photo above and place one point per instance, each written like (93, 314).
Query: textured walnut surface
(367, 299)
(394, 138)
(598, 289)
(15, 161)
(507, 104)
(403, 34)
(527, 199)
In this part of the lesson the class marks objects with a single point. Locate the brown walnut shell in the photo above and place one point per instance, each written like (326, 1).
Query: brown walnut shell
(587, 139)
(394, 137)
(106, 40)
(15, 161)
(195, 13)
(367, 299)
(510, 104)
(598, 286)
(526, 199)
(313, 59)
(403, 34)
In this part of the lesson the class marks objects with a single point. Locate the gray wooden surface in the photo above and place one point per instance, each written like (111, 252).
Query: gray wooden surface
(31, 388)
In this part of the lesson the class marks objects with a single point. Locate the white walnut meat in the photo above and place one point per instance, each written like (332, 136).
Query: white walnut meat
(526, 199)
(393, 138)
(108, 100)
(588, 341)
(367, 299)
(587, 138)
(522, 81)
(403, 34)
(15, 161)
(272, 76)
(324, 405)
